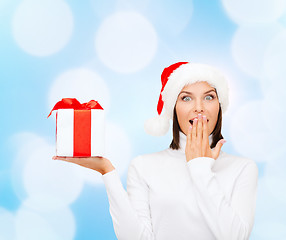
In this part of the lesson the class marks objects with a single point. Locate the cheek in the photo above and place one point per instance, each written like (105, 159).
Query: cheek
(181, 112)
(214, 119)
(181, 115)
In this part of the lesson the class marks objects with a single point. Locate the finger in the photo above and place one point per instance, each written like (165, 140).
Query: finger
(217, 148)
(200, 130)
(205, 133)
(194, 130)
(189, 135)
(188, 143)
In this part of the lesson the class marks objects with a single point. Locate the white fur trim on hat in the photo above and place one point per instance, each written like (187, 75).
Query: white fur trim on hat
(157, 126)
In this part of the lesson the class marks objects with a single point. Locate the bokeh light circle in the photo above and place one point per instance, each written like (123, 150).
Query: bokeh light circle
(53, 224)
(7, 224)
(24, 144)
(275, 111)
(170, 17)
(38, 174)
(81, 83)
(251, 135)
(249, 45)
(275, 177)
(126, 42)
(254, 11)
(274, 59)
(269, 229)
(42, 175)
(42, 28)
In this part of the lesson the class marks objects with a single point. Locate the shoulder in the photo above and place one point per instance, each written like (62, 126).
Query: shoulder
(237, 162)
(236, 159)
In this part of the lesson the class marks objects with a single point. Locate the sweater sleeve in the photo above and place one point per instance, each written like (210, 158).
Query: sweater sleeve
(129, 210)
(227, 219)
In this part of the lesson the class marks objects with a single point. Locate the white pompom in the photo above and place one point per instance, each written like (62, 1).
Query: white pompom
(157, 126)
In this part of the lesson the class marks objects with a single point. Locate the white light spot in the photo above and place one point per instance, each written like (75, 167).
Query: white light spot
(254, 11)
(275, 178)
(81, 83)
(274, 109)
(103, 8)
(40, 175)
(270, 201)
(24, 144)
(269, 213)
(44, 202)
(273, 85)
(251, 135)
(282, 19)
(54, 224)
(274, 59)
(126, 42)
(7, 225)
(30, 225)
(249, 45)
(42, 28)
(264, 199)
(169, 16)
(269, 229)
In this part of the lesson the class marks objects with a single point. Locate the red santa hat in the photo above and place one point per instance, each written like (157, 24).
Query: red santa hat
(173, 79)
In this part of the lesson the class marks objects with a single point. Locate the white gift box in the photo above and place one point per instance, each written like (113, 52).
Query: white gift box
(80, 133)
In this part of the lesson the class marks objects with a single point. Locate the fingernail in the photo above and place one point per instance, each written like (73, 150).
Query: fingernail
(195, 120)
(200, 116)
(223, 141)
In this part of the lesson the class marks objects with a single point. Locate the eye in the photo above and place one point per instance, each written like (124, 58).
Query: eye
(210, 97)
(186, 98)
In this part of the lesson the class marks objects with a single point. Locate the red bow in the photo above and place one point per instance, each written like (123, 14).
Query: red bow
(73, 103)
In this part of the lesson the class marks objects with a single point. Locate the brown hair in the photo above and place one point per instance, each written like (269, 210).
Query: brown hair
(175, 144)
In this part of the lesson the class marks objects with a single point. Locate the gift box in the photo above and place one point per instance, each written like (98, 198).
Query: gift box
(80, 128)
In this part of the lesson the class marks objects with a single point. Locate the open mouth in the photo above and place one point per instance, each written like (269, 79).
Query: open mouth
(191, 121)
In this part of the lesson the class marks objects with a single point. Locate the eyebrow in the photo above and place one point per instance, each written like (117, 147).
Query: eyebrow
(190, 93)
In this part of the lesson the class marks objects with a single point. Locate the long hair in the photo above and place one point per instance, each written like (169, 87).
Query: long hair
(175, 144)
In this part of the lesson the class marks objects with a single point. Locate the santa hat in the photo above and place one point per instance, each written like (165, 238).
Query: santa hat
(173, 79)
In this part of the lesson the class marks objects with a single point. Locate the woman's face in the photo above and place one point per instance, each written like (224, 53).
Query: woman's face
(197, 98)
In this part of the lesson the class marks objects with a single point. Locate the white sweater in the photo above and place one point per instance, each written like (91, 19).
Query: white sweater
(169, 198)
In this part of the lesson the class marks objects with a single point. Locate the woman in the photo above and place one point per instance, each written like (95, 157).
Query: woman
(191, 190)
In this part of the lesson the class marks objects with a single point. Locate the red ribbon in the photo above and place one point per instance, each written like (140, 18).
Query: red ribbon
(73, 103)
(82, 133)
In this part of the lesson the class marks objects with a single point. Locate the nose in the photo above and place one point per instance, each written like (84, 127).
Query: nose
(199, 108)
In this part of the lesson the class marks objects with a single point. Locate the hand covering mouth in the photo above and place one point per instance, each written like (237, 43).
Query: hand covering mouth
(192, 121)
